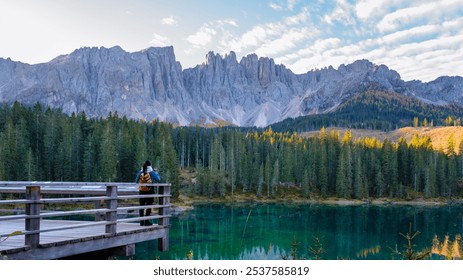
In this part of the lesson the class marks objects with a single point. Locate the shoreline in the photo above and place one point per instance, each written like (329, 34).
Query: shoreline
(185, 203)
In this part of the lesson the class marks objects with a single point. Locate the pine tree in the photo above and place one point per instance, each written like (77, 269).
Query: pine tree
(169, 163)
(90, 160)
(260, 182)
(359, 188)
(441, 174)
(268, 175)
(305, 185)
(323, 171)
(451, 145)
(107, 155)
(452, 175)
(50, 144)
(403, 162)
(275, 178)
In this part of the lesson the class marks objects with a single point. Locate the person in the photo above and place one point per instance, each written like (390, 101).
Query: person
(146, 175)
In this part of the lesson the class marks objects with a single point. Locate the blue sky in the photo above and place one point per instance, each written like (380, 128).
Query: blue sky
(421, 39)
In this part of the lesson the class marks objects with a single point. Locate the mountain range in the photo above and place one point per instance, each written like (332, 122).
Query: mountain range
(254, 91)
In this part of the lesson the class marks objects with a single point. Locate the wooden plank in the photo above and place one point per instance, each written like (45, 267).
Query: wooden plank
(61, 238)
(88, 246)
(67, 234)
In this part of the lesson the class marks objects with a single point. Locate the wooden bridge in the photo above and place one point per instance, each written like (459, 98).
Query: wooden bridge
(35, 231)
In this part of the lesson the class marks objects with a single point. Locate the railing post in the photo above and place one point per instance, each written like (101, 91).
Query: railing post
(163, 243)
(33, 209)
(99, 216)
(111, 191)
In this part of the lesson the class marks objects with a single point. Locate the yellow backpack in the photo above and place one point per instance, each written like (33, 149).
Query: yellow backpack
(145, 178)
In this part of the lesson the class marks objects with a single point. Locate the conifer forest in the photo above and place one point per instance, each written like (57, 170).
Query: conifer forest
(38, 143)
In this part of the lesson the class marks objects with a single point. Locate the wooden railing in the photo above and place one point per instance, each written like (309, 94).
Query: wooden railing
(90, 192)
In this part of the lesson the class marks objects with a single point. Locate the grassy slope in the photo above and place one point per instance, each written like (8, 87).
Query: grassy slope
(439, 135)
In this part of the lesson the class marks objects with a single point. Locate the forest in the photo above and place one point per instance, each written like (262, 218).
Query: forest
(45, 144)
(377, 110)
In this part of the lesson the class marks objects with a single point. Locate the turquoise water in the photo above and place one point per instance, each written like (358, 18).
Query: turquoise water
(266, 231)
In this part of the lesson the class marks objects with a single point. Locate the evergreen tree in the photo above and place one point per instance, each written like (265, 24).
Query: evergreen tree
(403, 162)
(90, 160)
(305, 184)
(275, 178)
(451, 145)
(260, 182)
(323, 171)
(452, 175)
(359, 188)
(50, 144)
(107, 155)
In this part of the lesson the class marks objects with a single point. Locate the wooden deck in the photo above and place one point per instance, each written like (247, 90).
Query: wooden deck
(43, 238)
(70, 242)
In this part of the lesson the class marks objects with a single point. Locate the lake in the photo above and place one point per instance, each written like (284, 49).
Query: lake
(267, 231)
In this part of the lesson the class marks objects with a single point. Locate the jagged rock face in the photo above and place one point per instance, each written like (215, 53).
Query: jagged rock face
(151, 84)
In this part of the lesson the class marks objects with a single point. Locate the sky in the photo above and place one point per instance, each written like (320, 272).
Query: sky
(420, 39)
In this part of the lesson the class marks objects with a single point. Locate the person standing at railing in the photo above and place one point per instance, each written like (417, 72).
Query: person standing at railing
(146, 175)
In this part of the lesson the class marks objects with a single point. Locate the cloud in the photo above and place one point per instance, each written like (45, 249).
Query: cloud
(275, 6)
(432, 11)
(368, 9)
(283, 5)
(453, 24)
(421, 52)
(287, 41)
(169, 21)
(412, 49)
(202, 37)
(408, 36)
(343, 12)
(265, 34)
(302, 17)
(291, 4)
(400, 36)
(160, 41)
(227, 21)
(208, 32)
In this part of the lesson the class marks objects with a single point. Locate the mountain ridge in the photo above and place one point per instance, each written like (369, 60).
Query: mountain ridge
(151, 84)
(375, 110)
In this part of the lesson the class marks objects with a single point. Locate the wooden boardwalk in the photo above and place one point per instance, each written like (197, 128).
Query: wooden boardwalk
(41, 236)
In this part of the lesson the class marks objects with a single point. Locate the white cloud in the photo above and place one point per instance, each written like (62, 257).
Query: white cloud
(229, 21)
(453, 24)
(368, 9)
(422, 52)
(215, 32)
(202, 37)
(415, 48)
(408, 34)
(289, 5)
(432, 11)
(169, 20)
(320, 46)
(264, 34)
(275, 6)
(343, 12)
(300, 18)
(160, 41)
(287, 41)
(253, 37)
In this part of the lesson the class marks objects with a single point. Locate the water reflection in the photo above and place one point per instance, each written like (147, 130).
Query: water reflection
(266, 231)
(447, 248)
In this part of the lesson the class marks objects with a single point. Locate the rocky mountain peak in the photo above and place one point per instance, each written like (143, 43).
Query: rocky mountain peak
(151, 84)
